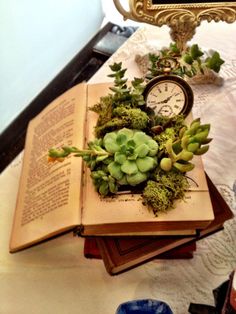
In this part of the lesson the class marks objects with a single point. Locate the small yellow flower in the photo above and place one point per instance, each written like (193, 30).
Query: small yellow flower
(53, 159)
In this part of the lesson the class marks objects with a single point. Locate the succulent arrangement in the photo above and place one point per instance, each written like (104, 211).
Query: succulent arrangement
(136, 150)
(191, 61)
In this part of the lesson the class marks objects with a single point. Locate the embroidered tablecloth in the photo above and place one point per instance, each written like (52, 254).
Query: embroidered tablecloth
(54, 277)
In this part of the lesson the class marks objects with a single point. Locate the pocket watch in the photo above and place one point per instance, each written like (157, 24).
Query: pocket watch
(168, 94)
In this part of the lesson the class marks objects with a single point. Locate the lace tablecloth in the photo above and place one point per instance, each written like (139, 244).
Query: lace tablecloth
(54, 277)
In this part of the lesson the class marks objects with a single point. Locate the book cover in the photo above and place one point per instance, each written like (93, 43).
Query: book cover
(185, 251)
(120, 254)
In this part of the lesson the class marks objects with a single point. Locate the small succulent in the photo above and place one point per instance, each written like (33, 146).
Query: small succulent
(134, 155)
(124, 107)
(190, 62)
(191, 142)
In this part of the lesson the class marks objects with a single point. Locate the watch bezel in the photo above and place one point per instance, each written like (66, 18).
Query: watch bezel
(188, 93)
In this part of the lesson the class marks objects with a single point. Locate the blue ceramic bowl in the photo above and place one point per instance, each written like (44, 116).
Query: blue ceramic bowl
(147, 306)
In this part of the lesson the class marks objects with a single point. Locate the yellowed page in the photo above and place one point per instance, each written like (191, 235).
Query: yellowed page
(128, 207)
(49, 193)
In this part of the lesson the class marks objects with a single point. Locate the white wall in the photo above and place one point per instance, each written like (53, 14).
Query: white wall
(38, 38)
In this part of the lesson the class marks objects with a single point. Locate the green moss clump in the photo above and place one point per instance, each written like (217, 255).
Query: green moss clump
(136, 118)
(157, 196)
(121, 117)
(174, 181)
(164, 188)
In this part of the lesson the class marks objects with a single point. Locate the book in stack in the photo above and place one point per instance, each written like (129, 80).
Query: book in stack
(54, 198)
(120, 254)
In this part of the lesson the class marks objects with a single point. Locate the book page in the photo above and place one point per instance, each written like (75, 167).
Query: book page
(49, 193)
(126, 208)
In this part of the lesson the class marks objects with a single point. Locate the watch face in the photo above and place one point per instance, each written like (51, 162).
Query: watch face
(169, 95)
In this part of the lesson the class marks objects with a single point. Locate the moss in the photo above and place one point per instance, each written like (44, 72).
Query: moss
(174, 181)
(103, 109)
(164, 188)
(122, 117)
(157, 196)
(137, 118)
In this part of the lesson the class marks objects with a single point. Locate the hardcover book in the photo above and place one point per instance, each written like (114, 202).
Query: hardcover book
(120, 254)
(91, 249)
(57, 197)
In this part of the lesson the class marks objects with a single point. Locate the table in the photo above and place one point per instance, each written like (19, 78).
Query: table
(54, 277)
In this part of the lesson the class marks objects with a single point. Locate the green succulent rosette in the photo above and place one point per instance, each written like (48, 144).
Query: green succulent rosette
(134, 155)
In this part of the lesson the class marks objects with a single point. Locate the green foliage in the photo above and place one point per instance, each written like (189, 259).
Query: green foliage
(165, 187)
(190, 62)
(214, 62)
(134, 147)
(191, 141)
(103, 182)
(124, 107)
(134, 155)
(135, 117)
(168, 128)
(157, 197)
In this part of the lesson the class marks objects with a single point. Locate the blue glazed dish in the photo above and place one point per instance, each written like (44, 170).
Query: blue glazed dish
(146, 306)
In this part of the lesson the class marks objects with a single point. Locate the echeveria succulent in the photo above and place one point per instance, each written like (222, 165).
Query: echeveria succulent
(134, 155)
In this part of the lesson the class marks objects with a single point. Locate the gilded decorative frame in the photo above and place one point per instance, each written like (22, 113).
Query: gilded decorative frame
(181, 18)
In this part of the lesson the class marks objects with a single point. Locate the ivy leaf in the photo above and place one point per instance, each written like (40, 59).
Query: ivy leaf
(214, 62)
(195, 52)
(188, 59)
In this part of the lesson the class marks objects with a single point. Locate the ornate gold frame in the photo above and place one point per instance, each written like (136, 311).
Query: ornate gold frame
(181, 18)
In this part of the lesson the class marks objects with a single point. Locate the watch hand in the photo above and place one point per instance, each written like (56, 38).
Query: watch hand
(165, 100)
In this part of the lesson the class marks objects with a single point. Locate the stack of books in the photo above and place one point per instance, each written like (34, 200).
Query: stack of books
(55, 198)
(120, 254)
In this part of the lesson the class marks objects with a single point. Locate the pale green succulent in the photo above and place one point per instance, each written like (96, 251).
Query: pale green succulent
(191, 142)
(134, 155)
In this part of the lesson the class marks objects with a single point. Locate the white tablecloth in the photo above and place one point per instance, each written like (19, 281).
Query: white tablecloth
(54, 277)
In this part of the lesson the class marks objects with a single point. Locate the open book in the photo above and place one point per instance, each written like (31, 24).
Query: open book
(57, 197)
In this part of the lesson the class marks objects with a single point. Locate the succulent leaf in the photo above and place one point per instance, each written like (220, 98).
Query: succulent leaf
(120, 157)
(104, 188)
(153, 146)
(192, 147)
(183, 167)
(142, 150)
(123, 180)
(185, 155)
(115, 170)
(146, 164)
(140, 138)
(136, 178)
(111, 146)
(202, 150)
(128, 132)
(201, 136)
(121, 139)
(166, 164)
(129, 167)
